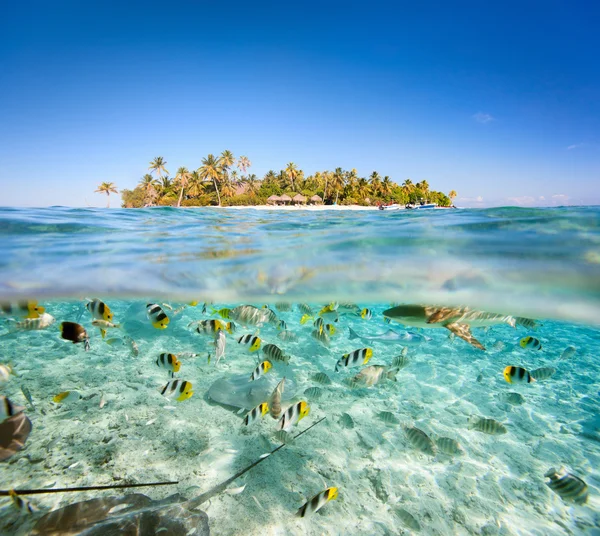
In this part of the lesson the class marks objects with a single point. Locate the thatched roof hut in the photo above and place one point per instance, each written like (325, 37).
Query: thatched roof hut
(285, 198)
(316, 199)
(274, 199)
(299, 198)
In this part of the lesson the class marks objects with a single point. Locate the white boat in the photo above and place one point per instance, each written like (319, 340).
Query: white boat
(425, 205)
(395, 206)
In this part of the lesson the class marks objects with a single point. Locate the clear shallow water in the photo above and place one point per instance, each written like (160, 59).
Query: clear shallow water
(495, 485)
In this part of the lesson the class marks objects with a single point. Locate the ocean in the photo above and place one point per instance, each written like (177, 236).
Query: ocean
(414, 420)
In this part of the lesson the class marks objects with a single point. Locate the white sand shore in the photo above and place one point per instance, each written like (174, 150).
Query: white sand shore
(315, 208)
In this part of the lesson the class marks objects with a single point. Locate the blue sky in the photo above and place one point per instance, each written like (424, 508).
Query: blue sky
(500, 102)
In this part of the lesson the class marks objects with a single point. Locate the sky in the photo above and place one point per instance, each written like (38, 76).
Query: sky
(498, 101)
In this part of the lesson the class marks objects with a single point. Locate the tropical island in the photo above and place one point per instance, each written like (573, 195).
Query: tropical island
(225, 181)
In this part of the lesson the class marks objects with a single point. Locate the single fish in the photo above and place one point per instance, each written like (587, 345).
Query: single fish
(5, 373)
(543, 373)
(99, 310)
(275, 400)
(248, 315)
(27, 395)
(260, 370)
(448, 446)
(390, 336)
(284, 307)
(373, 374)
(366, 314)
(21, 309)
(568, 353)
(420, 440)
(569, 487)
(323, 338)
(388, 417)
(251, 341)
(275, 353)
(355, 358)
(459, 320)
(287, 336)
(158, 318)
(169, 362)
(487, 426)
(322, 378)
(317, 502)
(314, 392)
(8, 409)
(66, 396)
(515, 399)
(530, 343)
(181, 389)
(75, 333)
(293, 415)
(259, 411)
(305, 309)
(20, 504)
(220, 343)
(103, 325)
(43, 321)
(517, 375)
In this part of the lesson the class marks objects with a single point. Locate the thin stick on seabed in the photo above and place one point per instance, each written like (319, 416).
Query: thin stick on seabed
(6, 493)
(193, 503)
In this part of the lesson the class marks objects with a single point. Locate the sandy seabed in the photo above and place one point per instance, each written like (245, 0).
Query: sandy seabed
(495, 486)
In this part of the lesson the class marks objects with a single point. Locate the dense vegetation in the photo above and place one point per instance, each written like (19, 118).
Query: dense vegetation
(216, 182)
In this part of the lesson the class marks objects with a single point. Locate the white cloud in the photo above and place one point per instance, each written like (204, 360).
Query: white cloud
(574, 146)
(522, 201)
(483, 118)
(561, 197)
(469, 202)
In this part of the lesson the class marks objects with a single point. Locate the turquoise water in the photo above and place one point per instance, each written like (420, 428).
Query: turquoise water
(541, 264)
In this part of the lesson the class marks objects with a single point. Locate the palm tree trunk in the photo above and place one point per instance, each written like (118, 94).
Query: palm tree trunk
(107, 199)
(180, 197)
(325, 191)
(217, 189)
(337, 193)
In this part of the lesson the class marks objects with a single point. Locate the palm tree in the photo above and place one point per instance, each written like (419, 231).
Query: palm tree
(211, 170)
(226, 160)
(252, 183)
(158, 165)
(363, 189)
(292, 172)
(337, 182)
(452, 195)
(165, 187)
(183, 176)
(424, 187)
(386, 186)
(243, 163)
(195, 187)
(107, 188)
(375, 181)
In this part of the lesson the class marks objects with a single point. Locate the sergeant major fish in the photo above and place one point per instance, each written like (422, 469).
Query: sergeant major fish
(569, 487)
(43, 321)
(373, 374)
(275, 353)
(275, 400)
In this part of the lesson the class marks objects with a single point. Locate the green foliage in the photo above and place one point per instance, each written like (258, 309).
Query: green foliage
(215, 183)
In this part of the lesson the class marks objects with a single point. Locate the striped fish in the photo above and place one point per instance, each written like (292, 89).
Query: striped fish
(261, 370)
(305, 309)
(33, 324)
(569, 487)
(248, 315)
(531, 343)
(168, 361)
(287, 336)
(366, 314)
(388, 417)
(317, 502)
(293, 415)
(448, 446)
(517, 375)
(420, 440)
(487, 426)
(8, 409)
(99, 310)
(252, 341)
(21, 309)
(256, 413)
(543, 373)
(157, 316)
(180, 389)
(323, 338)
(322, 378)
(353, 359)
(209, 327)
(275, 353)
(284, 307)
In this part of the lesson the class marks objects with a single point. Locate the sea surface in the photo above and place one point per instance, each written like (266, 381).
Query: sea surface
(537, 270)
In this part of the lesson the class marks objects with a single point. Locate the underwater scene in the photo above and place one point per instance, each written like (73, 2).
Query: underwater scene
(300, 373)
